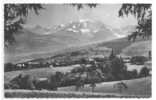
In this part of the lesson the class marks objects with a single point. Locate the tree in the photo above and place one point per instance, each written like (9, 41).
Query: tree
(131, 74)
(134, 73)
(132, 36)
(138, 60)
(55, 80)
(59, 77)
(143, 13)
(22, 81)
(14, 17)
(144, 72)
(93, 85)
(80, 5)
(8, 67)
(120, 86)
(118, 68)
(112, 55)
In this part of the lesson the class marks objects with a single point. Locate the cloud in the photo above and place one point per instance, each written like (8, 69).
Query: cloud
(55, 14)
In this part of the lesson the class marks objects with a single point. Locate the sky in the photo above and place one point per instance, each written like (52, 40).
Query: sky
(55, 14)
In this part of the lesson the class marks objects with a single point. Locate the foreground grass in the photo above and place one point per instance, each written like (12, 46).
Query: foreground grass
(137, 88)
(141, 87)
(53, 94)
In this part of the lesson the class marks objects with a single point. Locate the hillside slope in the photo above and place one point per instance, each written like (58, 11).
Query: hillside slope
(138, 49)
(39, 40)
(120, 46)
(129, 48)
(136, 87)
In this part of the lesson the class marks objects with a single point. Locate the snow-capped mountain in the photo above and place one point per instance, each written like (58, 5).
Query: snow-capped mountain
(40, 39)
(89, 29)
(83, 27)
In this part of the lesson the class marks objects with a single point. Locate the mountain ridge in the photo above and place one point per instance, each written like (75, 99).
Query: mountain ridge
(34, 41)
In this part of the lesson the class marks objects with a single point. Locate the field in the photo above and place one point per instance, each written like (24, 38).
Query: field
(136, 88)
(45, 72)
(138, 49)
(77, 50)
(120, 46)
(40, 72)
(124, 46)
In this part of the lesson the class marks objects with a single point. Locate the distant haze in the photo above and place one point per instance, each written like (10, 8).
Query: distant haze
(55, 14)
(61, 26)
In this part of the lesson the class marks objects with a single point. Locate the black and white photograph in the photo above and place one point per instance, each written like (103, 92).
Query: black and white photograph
(77, 50)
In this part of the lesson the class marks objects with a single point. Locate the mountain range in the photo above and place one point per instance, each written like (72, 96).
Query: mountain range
(39, 39)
